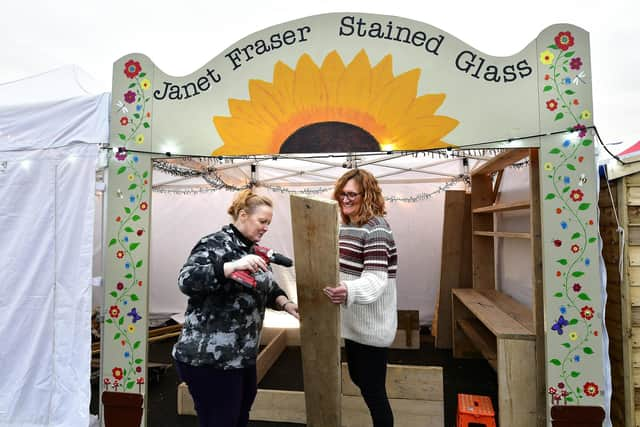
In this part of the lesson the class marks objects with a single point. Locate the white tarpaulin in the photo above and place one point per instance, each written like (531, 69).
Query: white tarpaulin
(48, 154)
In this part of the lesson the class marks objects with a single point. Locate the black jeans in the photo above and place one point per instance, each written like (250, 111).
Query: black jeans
(222, 398)
(368, 370)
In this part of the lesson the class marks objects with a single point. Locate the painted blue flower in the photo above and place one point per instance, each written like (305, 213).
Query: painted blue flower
(135, 159)
(563, 224)
(139, 107)
(125, 302)
(561, 323)
(567, 180)
(587, 261)
(134, 315)
(576, 358)
(126, 238)
(127, 265)
(567, 80)
(126, 354)
(132, 199)
(563, 309)
(566, 143)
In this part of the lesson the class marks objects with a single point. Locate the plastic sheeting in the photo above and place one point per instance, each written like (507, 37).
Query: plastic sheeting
(48, 155)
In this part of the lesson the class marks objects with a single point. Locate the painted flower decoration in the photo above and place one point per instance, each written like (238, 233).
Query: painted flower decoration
(380, 111)
(576, 195)
(557, 243)
(145, 84)
(140, 380)
(575, 64)
(577, 287)
(140, 139)
(117, 373)
(114, 311)
(131, 328)
(590, 389)
(547, 57)
(585, 115)
(587, 312)
(130, 97)
(573, 336)
(124, 120)
(144, 206)
(120, 254)
(581, 129)
(120, 286)
(132, 68)
(564, 40)
(552, 104)
(548, 166)
(575, 248)
(121, 154)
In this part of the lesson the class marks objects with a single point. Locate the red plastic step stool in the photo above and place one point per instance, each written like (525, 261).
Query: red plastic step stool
(475, 409)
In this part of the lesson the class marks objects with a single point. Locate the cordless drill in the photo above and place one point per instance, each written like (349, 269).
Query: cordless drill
(245, 278)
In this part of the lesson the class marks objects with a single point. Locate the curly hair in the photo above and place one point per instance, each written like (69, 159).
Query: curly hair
(248, 201)
(372, 199)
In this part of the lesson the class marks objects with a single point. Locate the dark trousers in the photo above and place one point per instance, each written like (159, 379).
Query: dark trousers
(368, 370)
(222, 398)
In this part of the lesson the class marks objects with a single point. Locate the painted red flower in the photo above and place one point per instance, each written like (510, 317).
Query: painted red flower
(121, 155)
(144, 206)
(114, 311)
(120, 286)
(586, 312)
(577, 287)
(558, 273)
(120, 254)
(132, 68)
(547, 76)
(575, 63)
(590, 389)
(117, 373)
(561, 385)
(138, 369)
(557, 242)
(590, 222)
(595, 333)
(580, 159)
(130, 97)
(575, 248)
(552, 390)
(140, 380)
(118, 219)
(576, 102)
(106, 381)
(576, 195)
(564, 40)
(124, 120)
(139, 232)
(552, 104)
(139, 282)
(558, 210)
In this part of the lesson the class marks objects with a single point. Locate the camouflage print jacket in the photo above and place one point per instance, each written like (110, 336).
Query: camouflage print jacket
(223, 319)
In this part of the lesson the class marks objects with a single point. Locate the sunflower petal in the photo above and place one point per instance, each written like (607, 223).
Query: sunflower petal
(332, 70)
(307, 92)
(241, 137)
(381, 74)
(397, 96)
(264, 101)
(428, 131)
(354, 89)
(283, 78)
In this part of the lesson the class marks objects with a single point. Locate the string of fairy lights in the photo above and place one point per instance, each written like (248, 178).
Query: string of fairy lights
(215, 182)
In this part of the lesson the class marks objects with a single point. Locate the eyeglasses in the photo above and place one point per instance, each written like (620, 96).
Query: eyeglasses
(350, 195)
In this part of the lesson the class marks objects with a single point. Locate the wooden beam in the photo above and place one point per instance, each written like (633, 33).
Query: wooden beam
(270, 354)
(315, 245)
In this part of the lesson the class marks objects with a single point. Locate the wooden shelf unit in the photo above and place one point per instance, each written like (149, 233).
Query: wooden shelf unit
(505, 332)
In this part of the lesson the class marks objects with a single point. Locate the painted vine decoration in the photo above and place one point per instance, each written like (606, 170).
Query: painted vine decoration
(123, 313)
(576, 313)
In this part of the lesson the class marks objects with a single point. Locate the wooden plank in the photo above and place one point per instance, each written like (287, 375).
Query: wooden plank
(517, 383)
(408, 321)
(633, 195)
(503, 207)
(505, 234)
(535, 228)
(628, 394)
(462, 345)
(633, 215)
(404, 382)
(270, 354)
(495, 313)
(482, 339)
(501, 161)
(315, 244)
(455, 259)
(284, 406)
(482, 250)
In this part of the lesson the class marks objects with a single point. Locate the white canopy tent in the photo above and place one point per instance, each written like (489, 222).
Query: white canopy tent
(50, 128)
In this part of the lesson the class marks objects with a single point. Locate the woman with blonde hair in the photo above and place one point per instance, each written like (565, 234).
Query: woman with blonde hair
(367, 288)
(217, 349)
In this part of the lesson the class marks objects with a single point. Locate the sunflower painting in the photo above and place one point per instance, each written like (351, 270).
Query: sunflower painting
(334, 108)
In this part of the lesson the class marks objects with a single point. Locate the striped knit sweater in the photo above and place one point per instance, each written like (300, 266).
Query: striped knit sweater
(368, 266)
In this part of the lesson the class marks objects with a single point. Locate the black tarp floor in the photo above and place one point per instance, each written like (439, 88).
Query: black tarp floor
(470, 376)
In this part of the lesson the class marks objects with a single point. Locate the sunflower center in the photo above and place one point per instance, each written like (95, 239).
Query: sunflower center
(325, 137)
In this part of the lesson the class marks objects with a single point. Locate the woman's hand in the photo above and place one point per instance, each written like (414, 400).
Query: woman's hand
(338, 294)
(288, 306)
(252, 263)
